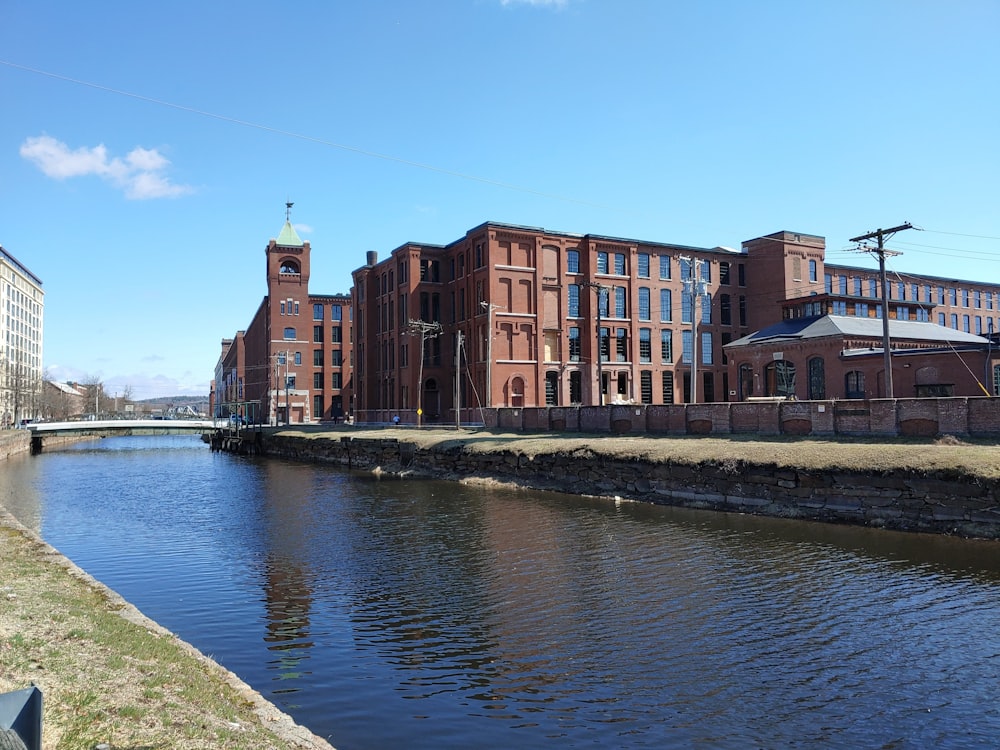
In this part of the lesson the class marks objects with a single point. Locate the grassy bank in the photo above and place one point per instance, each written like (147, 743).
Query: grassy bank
(111, 676)
(976, 458)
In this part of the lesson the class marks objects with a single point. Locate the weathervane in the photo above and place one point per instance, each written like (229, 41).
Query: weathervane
(288, 210)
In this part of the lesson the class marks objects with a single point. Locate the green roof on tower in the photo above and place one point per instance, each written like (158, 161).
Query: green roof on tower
(288, 237)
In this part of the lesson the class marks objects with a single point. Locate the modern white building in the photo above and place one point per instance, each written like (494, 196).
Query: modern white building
(21, 315)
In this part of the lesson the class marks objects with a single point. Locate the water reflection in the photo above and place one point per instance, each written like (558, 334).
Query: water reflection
(429, 614)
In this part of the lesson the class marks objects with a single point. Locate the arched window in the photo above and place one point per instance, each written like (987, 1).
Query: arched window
(817, 379)
(290, 334)
(854, 384)
(289, 266)
(552, 389)
(779, 378)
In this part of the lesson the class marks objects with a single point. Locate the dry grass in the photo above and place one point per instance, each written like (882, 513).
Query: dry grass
(948, 456)
(110, 676)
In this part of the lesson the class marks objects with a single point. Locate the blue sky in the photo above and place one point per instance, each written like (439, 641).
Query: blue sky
(147, 149)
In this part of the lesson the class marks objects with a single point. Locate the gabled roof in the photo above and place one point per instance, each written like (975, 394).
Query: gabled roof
(288, 237)
(826, 326)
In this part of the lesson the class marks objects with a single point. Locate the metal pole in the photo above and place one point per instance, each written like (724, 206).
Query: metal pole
(600, 354)
(458, 379)
(880, 235)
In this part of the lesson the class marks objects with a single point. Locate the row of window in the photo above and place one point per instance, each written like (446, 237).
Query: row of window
(914, 292)
(574, 291)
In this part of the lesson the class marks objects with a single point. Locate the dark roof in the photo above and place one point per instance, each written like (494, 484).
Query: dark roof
(826, 326)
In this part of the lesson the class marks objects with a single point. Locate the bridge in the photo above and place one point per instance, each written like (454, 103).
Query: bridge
(116, 427)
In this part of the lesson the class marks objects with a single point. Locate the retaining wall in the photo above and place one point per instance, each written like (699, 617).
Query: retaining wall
(939, 502)
(924, 417)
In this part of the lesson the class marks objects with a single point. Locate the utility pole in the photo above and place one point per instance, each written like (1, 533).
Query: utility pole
(605, 291)
(489, 307)
(694, 288)
(426, 331)
(458, 379)
(881, 252)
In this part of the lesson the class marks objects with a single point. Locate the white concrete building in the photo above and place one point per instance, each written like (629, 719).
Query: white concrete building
(23, 304)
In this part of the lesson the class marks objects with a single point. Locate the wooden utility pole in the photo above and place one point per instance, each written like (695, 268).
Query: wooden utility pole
(425, 331)
(881, 252)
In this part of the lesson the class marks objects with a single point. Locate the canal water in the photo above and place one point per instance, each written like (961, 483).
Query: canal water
(421, 614)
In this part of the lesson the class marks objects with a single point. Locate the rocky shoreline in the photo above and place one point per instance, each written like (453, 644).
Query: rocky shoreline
(944, 494)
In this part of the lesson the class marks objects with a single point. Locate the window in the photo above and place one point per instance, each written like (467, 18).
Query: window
(646, 387)
(281, 358)
(817, 379)
(779, 377)
(644, 303)
(842, 284)
(602, 302)
(668, 387)
(857, 286)
(977, 298)
(572, 261)
(620, 302)
(317, 312)
(290, 382)
(965, 298)
(813, 271)
(282, 308)
(685, 308)
(664, 266)
(724, 272)
(605, 344)
(706, 308)
(621, 348)
(743, 310)
(337, 358)
(645, 345)
(828, 283)
(289, 266)
(666, 346)
(854, 384)
(686, 347)
(602, 262)
(336, 335)
(953, 297)
(430, 270)
(289, 334)
(336, 381)
(861, 309)
(317, 357)
(317, 380)
(336, 312)
(954, 321)
(707, 357)
(573, 299)
(317, 334)
(642, 262)
(576, 387)
(298, 358)
(706, 271)
(741, 274)
(725, 310)
(620, 264)
(665, 306)
(685, 268)
(574, 344)
(318, 405)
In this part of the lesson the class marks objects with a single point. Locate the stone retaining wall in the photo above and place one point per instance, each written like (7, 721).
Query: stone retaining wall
(901, 500)
(13, 442)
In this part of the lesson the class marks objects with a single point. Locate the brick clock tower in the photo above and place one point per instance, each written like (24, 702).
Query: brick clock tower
(289, 321)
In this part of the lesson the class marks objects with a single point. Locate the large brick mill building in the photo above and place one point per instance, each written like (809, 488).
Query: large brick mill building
(519, 316)
(528, 317)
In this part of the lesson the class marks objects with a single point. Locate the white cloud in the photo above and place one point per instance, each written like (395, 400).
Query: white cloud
(139, 174)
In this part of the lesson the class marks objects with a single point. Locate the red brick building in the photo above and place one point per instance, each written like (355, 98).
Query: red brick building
(520, 316)
(293, 362)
